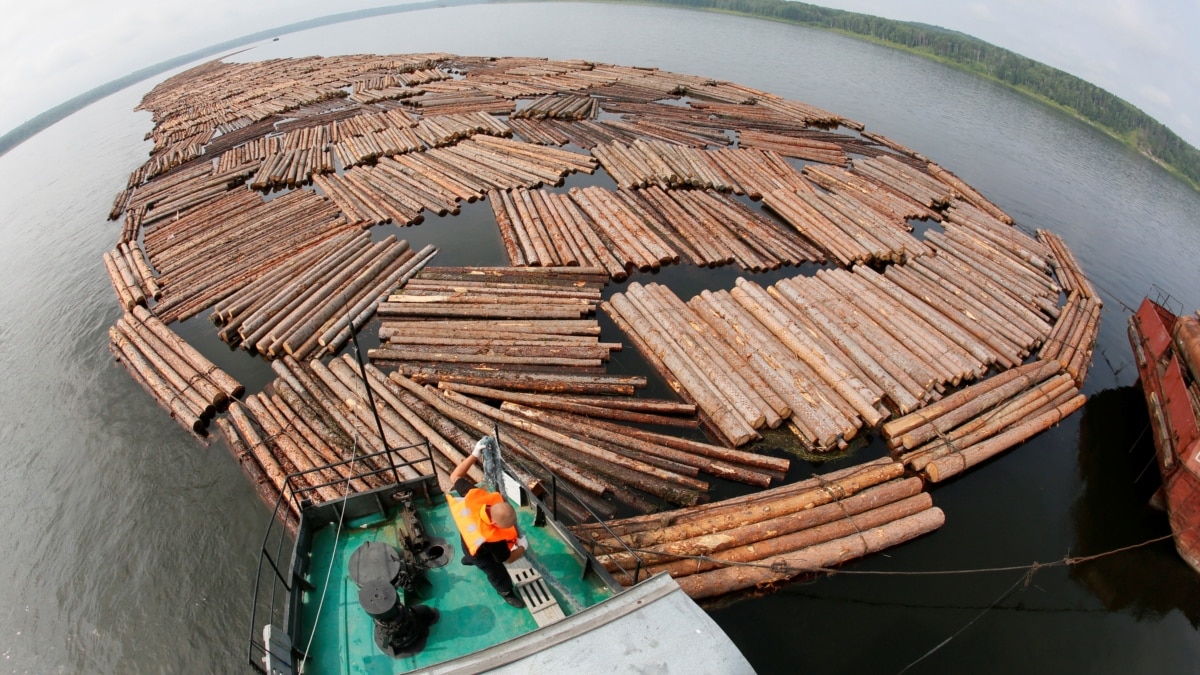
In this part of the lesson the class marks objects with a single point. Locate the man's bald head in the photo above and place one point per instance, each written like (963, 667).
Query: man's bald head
(502, 514)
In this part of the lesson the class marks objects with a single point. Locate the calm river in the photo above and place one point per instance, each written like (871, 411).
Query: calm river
(128, 547)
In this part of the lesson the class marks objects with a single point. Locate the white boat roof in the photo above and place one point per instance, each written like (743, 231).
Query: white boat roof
(653, 627)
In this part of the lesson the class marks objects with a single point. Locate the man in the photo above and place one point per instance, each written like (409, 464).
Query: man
(488, 526)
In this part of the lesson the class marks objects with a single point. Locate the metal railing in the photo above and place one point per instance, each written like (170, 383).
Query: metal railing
(292, 502)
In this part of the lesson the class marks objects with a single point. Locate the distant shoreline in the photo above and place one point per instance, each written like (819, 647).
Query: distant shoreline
(1144, 134)
(45, 120)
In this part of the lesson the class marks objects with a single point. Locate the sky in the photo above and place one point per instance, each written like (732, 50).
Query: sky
(1140, 50)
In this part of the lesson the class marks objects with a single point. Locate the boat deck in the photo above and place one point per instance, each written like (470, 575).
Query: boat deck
(473, 616)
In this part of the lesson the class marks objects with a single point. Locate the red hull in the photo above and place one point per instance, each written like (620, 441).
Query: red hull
(1165, 377)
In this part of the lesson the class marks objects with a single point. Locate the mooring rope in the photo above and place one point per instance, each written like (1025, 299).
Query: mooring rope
(333, 556)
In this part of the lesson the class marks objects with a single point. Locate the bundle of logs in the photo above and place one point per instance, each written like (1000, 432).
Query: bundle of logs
(315, 415)
(131, 276)
(834, 351)
(566, 107)
(588, 134)
(175, 193)
(743, 171)
(398, 189)
(290, 168)
(981, 421)
(181, 380)
(795, 146)
(212, 251)
(870, 194)
(525, 319)
(769, 537)
(641, 229)
(308, 304)
(594, 458)
(905, 179)
(850, 231)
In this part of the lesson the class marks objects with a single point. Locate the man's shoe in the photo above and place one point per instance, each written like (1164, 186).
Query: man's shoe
(514, 600)
(467, 561)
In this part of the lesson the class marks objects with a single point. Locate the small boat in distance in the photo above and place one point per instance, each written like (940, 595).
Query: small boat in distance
(376, 585)
(1166, 347)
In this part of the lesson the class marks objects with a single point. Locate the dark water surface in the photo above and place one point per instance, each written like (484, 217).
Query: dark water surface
(130, 548)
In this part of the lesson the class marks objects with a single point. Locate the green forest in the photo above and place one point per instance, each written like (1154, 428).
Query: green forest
(1090, 102)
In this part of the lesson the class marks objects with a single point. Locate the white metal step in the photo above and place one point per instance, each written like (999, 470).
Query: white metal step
(532, 588)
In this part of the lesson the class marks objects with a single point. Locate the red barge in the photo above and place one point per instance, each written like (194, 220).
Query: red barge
(1167, 350)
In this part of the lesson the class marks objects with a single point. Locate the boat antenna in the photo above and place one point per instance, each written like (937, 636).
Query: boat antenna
(362, 369)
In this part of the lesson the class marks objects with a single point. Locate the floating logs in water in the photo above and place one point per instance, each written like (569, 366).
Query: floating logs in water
(1073, 338)
(771, 536)
(851, 233)
(1067, 267)
(308, 305)
(211, 252)
(399, 189)
(983, 420)
(526, 319)
(859, 346)
(176, 376)
(908, 329)
(640, 229)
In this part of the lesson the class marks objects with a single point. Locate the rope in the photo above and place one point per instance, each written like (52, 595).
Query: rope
(329, 572)
(1023, 582)
(783, 568)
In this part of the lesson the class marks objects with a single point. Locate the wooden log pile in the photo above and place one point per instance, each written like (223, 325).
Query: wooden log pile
(308, 305)
(710, 229)
(1073, 339)
(588, 134)
(849, 231)
(644, 163)
(873, 195)
(859, 346)
(131, 276)
(315, 415)
(625, 228)
(567, 107)
(772, 536)
(541, 228)
(985, 419)
(969, 194)
(798, 147)
(290, 168)
(524, 319)
(1066, 266)
(170, 195)
(592, 467)
(212, 251)
(903, 178)
(181, 380)
(696, 365)
(451, 102)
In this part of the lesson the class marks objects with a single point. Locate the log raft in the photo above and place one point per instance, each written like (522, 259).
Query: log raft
(924, 338)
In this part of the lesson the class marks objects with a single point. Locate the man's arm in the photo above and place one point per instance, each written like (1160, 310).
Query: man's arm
(463, 467)
(519, 550)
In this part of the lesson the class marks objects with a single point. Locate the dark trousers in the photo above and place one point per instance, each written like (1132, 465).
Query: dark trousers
(495, 570)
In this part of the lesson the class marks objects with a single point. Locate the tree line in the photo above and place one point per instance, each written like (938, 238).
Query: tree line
(1090, 102)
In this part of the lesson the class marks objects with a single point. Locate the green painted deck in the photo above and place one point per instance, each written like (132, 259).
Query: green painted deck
(473, 616)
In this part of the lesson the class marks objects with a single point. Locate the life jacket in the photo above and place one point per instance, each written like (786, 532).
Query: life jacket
(471, 518)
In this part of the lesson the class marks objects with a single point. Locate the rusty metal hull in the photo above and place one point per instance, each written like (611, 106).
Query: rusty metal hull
(1165, 377)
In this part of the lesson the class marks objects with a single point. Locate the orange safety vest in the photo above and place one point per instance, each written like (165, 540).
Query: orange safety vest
(471, 518)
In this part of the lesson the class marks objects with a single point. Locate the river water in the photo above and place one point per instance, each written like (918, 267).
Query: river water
(129, 547)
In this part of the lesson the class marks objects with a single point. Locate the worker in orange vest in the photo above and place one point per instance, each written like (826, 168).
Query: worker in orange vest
(488, 525)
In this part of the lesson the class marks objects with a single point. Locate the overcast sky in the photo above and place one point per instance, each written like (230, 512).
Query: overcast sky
(1144, 51)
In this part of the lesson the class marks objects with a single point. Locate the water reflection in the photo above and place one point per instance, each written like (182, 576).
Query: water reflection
(1116, 466)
